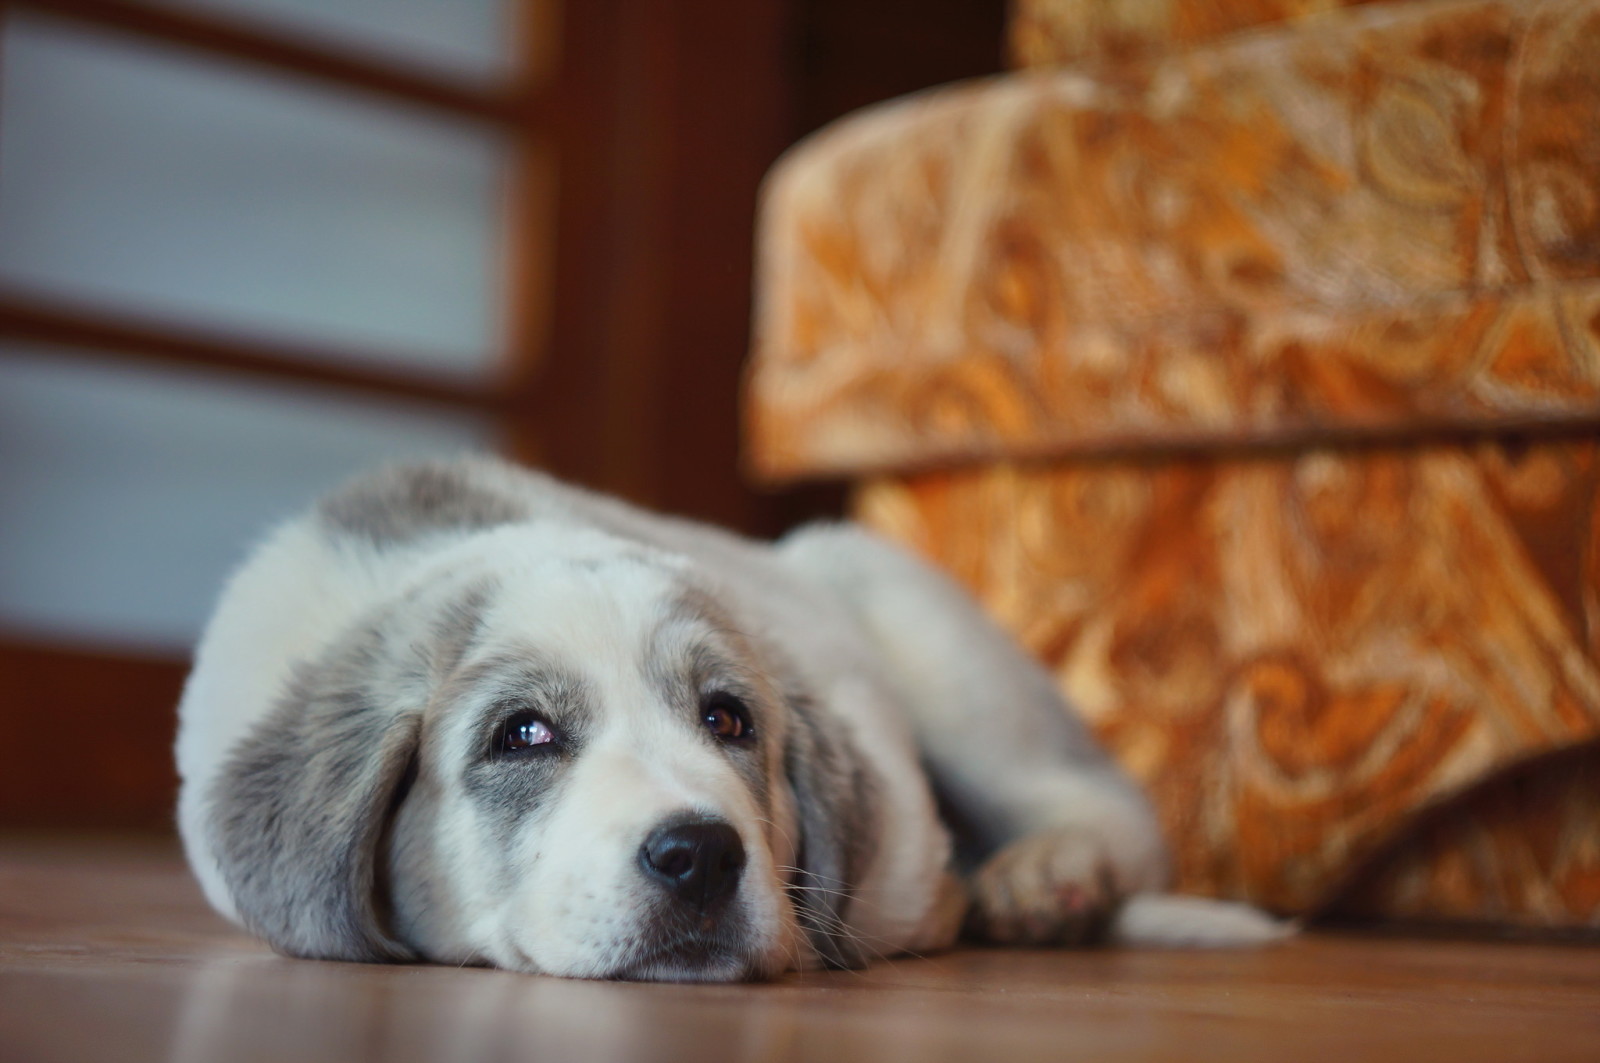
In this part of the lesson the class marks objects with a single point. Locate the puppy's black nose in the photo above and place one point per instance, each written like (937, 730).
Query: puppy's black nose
(698, 862)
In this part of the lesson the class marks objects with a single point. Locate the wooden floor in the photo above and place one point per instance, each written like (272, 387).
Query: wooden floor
(107, 952)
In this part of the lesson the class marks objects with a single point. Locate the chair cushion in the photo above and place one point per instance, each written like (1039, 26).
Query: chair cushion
(1368, 225)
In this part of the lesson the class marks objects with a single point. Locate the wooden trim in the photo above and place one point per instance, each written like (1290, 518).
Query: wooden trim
(103, 336)
(263, 45)
(555, 392)
(536, 28)
(536, 167)
(665, 117)
(86, 736)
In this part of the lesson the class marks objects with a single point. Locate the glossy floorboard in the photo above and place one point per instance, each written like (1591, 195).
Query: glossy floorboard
(108, 953)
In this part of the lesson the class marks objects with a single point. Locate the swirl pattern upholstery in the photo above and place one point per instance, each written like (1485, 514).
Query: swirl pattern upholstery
(1244, 359)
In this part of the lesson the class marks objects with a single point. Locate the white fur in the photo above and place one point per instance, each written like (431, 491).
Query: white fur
(897, 660)
(1172, 921)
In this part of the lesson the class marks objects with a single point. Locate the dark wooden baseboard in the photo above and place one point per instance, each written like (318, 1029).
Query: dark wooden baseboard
(86, 737)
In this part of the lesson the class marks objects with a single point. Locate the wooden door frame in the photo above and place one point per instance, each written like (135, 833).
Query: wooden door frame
(624, 342)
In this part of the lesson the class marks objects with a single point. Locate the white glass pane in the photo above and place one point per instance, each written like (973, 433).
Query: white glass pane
(144, 179)
(465, 37)
(126, 495)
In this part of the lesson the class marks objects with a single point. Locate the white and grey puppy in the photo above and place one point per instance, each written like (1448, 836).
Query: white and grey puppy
(464, 713)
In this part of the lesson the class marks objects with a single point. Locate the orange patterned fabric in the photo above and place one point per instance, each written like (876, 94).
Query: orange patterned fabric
(1522, 851)
(1052, 32)
(1149, 350)
(1377, 226)
(1294, 653)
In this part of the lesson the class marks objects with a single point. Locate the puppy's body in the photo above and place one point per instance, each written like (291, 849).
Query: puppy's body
(469, 714)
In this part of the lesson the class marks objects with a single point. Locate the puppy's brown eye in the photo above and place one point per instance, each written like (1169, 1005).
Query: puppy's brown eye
(522, 732)
(727, 718)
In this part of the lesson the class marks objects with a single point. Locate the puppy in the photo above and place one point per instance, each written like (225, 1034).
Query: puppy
(464, 713)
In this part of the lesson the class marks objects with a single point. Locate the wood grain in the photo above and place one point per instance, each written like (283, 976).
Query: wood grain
(107, 951)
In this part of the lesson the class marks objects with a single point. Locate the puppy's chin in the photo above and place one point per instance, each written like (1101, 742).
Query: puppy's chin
(672, 949)
(680, 961)
(661, 951)
(693, 961)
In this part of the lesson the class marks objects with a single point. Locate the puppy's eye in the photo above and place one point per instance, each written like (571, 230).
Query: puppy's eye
(522, 732)
(727, 718)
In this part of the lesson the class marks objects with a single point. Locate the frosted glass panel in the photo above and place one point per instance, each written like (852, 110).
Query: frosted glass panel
(467, 37)
(147, 180)
(127, 495)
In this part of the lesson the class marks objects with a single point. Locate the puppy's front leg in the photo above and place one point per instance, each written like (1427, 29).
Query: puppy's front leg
(1050, 887)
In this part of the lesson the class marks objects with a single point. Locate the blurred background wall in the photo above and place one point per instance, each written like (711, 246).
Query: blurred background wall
(249, 247)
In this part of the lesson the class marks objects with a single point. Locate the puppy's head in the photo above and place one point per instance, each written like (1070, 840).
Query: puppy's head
(554, 752)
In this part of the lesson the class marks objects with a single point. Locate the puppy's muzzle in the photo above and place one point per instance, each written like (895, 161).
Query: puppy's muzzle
(698, 862)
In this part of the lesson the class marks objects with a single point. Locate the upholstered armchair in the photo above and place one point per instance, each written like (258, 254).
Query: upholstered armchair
(1243, 357)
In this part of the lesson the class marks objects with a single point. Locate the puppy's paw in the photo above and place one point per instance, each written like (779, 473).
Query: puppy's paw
(1049, 888)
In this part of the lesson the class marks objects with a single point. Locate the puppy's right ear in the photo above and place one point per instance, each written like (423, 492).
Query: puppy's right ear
(299, 812)
(836, 798)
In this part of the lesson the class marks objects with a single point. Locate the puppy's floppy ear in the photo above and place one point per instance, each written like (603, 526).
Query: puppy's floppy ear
(835, 802)
(300, 811)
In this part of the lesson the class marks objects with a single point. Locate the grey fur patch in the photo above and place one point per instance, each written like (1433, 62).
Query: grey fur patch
(406, 503)
(836, 798)
(301, 807)
(509, 792)
(457, 627)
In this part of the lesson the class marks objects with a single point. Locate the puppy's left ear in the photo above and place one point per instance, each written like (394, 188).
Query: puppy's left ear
(300, 811)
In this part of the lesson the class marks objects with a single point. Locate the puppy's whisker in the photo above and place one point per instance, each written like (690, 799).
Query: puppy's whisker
(834, 928)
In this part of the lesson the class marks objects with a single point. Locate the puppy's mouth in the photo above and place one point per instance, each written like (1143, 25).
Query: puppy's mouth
(717, 954)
